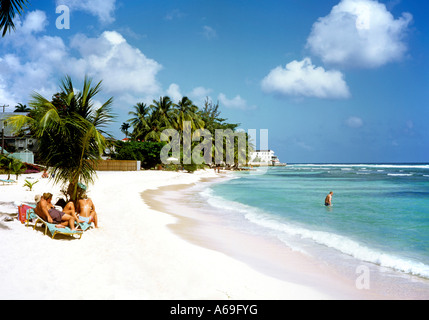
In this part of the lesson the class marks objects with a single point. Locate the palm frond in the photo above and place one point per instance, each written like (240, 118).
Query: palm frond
(8, 10)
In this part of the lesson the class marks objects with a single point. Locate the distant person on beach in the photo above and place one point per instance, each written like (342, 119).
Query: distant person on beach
(45, 174)
(86, 210)
(328, 199)
(46, 210)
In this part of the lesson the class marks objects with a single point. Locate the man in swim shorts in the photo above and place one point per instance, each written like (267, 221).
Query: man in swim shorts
(46, 210)
(328, 199)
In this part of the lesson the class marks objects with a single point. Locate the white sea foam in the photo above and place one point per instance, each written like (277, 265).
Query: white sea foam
(342, 244)
(392, 166)
(284, 231)
(400, 174)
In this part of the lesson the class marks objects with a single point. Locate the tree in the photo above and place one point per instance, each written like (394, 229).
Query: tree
(146, 152)
(8, 10)
(11, 166)
(124, 128)
(140, 121)
(160, 118)
(21, 108)
(71, 138)
(185, 110)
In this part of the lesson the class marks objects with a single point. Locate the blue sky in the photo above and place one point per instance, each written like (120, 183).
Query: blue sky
(332, 81)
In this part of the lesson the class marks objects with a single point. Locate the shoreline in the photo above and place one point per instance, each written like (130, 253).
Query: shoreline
(266, 255)
(273, 258)
(133, 255)
(143, 250)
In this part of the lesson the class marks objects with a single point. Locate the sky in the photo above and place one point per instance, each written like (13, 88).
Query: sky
(333, 81)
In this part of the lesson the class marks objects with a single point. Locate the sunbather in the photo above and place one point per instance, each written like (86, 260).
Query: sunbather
(86, 210)
(69, 208)
(46, 210)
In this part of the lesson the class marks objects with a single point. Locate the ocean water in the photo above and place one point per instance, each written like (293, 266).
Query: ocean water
(380, 212)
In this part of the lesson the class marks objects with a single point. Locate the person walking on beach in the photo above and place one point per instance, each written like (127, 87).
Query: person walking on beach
(328, 199)
(46, 210)
(86, 210)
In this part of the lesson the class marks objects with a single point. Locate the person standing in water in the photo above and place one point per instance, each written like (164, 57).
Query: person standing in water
(328, 199)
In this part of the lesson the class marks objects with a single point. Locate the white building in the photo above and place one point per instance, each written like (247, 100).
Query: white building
(20, 147)
(264, 157)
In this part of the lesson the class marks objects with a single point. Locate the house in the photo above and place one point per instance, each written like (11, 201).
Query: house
(264, 157)
(20, 147)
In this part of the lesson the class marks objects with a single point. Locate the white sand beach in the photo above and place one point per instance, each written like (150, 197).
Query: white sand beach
(136, 255)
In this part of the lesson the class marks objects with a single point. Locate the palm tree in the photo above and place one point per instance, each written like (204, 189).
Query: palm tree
(21, 108)
(71, 138)
(124, 128)
(8, 11)
(185, 110)
(162, 110)
(160, 118)
(140, 121)
(11, 166)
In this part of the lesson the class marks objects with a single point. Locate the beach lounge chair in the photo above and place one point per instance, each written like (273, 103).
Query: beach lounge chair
(7, 181)
(53, 230)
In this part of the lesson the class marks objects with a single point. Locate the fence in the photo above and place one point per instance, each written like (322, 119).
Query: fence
(118, 165)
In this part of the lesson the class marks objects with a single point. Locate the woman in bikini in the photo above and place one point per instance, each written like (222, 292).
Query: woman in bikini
(86, 210)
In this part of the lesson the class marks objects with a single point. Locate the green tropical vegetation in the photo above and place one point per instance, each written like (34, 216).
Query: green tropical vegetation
(148, 122)
(70, 132)
(146, 152)
(30, 184)
(21, 108)
(9, 166)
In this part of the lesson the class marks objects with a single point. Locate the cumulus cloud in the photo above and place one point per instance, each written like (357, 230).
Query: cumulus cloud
(174, 93)
(121, 66)
(359, 33)
(235, 103)
(35, 21)
(200, 92)
(303, 79)
(102, 9)
(124, 69)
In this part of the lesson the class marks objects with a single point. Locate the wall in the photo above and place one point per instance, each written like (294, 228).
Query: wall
(118, 165)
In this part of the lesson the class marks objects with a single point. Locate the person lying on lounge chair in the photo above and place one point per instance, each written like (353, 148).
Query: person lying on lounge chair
(86, 210)
(69, 208)
(46, 210)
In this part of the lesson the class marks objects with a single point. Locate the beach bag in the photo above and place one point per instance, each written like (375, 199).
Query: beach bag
(22, 213)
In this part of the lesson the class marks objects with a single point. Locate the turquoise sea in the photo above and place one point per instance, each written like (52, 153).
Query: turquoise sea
(380, 212)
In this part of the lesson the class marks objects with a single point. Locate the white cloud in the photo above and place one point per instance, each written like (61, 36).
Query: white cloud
(102, 9)
(121, 66)
(359, 33)
(200, 92)
(303, 79)
(126, 72)
(23, 71)
(354, 122)
(235, 103)
(35, 21)
(209, 32)
(174, 93)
